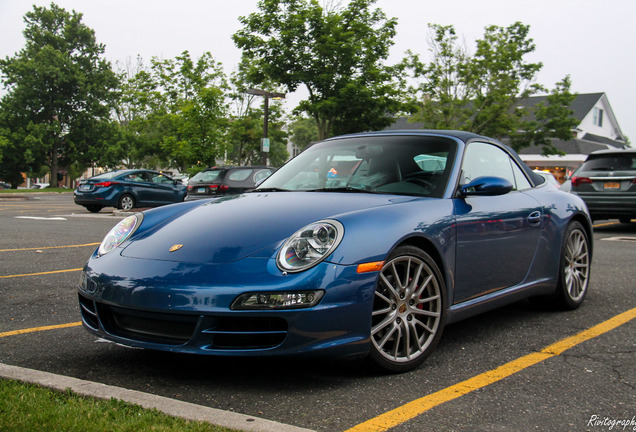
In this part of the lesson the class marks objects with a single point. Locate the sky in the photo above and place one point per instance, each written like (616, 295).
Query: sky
(593, 41)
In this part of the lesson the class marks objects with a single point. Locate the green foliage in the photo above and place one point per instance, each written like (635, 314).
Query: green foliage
(303, 132)
(338, 55)
(551, 118)
(481, 92)
(59, 88)
(176, 112)
(246, 132)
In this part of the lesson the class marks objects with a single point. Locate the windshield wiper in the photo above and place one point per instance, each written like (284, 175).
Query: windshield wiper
(340, 189)
(271, 189)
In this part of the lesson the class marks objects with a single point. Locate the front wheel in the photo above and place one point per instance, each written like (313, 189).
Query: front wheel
(126, 202)
(408, 310)
(574, 270)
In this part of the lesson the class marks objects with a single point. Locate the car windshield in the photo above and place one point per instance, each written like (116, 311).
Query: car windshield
(405, 165)
(206, 176)
(623, 162)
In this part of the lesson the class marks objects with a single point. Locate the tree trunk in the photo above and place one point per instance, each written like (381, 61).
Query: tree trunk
(54, 163)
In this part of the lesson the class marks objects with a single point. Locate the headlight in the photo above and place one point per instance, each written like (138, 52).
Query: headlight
(277, 300)
(119, 233)
(310, 245)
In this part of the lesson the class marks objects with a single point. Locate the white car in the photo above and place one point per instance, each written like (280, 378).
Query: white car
(549, 177)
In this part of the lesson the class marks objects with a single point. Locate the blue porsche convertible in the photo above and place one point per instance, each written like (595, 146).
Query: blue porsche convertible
(363, 245)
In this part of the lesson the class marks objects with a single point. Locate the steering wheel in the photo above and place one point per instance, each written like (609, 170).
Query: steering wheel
(415, 178)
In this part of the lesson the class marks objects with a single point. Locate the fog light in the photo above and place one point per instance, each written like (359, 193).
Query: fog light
(277, 300)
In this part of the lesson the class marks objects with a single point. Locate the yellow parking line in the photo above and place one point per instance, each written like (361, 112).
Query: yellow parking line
(38, 329)
(412, 409)
(49, 247)
(41, 273)
(605, 224)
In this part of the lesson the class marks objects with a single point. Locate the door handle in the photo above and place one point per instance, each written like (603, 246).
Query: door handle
(534, 218)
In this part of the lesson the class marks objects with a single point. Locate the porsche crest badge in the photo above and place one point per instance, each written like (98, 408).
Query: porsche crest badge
(176, 247)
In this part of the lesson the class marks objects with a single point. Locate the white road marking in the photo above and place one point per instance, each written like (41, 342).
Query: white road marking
(41, 218)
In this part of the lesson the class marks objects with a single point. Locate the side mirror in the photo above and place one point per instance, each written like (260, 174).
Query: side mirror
(486, 186)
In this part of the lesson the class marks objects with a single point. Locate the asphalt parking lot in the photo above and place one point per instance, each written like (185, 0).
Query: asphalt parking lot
(518, 368)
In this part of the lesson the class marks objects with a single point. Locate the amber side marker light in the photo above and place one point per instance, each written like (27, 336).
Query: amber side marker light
(370, 267)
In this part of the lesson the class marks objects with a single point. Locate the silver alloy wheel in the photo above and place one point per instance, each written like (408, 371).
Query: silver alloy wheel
(127, 202)
(407, 309)
(576, 270)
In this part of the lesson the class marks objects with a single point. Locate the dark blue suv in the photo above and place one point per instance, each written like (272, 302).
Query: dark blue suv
(127, 189)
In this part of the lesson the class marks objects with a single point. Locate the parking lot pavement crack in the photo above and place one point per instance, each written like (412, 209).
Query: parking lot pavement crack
(600, 363)
(172, 407)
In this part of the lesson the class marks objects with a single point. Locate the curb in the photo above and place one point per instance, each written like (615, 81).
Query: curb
(172, 407)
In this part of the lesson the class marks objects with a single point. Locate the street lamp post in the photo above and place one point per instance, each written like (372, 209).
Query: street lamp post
(267, 96)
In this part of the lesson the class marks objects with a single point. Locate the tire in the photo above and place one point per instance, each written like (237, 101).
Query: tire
(409, 310)
(94, 208)
(574, 268)
(126, 202)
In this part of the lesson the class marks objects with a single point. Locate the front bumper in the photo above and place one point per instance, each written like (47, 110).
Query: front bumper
(185, 307)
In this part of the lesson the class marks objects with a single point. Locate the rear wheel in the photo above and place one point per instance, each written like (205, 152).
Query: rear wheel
(574, 271)
(93, 208)
(126, 202)
(408, 310)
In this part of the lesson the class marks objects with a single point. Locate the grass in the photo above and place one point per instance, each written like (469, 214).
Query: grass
(28, 191)
(27, 407)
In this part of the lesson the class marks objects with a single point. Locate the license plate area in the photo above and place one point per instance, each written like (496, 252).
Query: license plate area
(611, 185)
(202, 190)
(85, 187)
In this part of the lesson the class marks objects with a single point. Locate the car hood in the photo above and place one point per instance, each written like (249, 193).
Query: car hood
(232, 228)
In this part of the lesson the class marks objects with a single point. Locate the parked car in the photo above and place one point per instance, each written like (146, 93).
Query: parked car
(39, 185)
(549, 177)
(607, 183)
(127, 189)
(4, 185)
(231, 180)
(359, 246)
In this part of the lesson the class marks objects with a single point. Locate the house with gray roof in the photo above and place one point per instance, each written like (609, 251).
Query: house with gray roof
(598, 129)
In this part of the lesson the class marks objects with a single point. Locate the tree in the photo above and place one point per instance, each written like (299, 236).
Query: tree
(59, 88)
(551, 118)
(482, 93)
(303, 131)
(246, 125)
(191, 111)
(173, 113)
(338, 54)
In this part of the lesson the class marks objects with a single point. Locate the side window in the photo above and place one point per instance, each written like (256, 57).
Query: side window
(143, 177)
(483, 159)
(136, 177)
(521, 180)
(239, 175)
(262, 175)
(161, 179)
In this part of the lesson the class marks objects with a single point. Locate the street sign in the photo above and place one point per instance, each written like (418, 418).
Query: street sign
(265, 145)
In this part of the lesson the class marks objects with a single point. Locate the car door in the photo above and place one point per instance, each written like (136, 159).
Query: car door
(142, 187)
(165, 191)
(497, 236)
